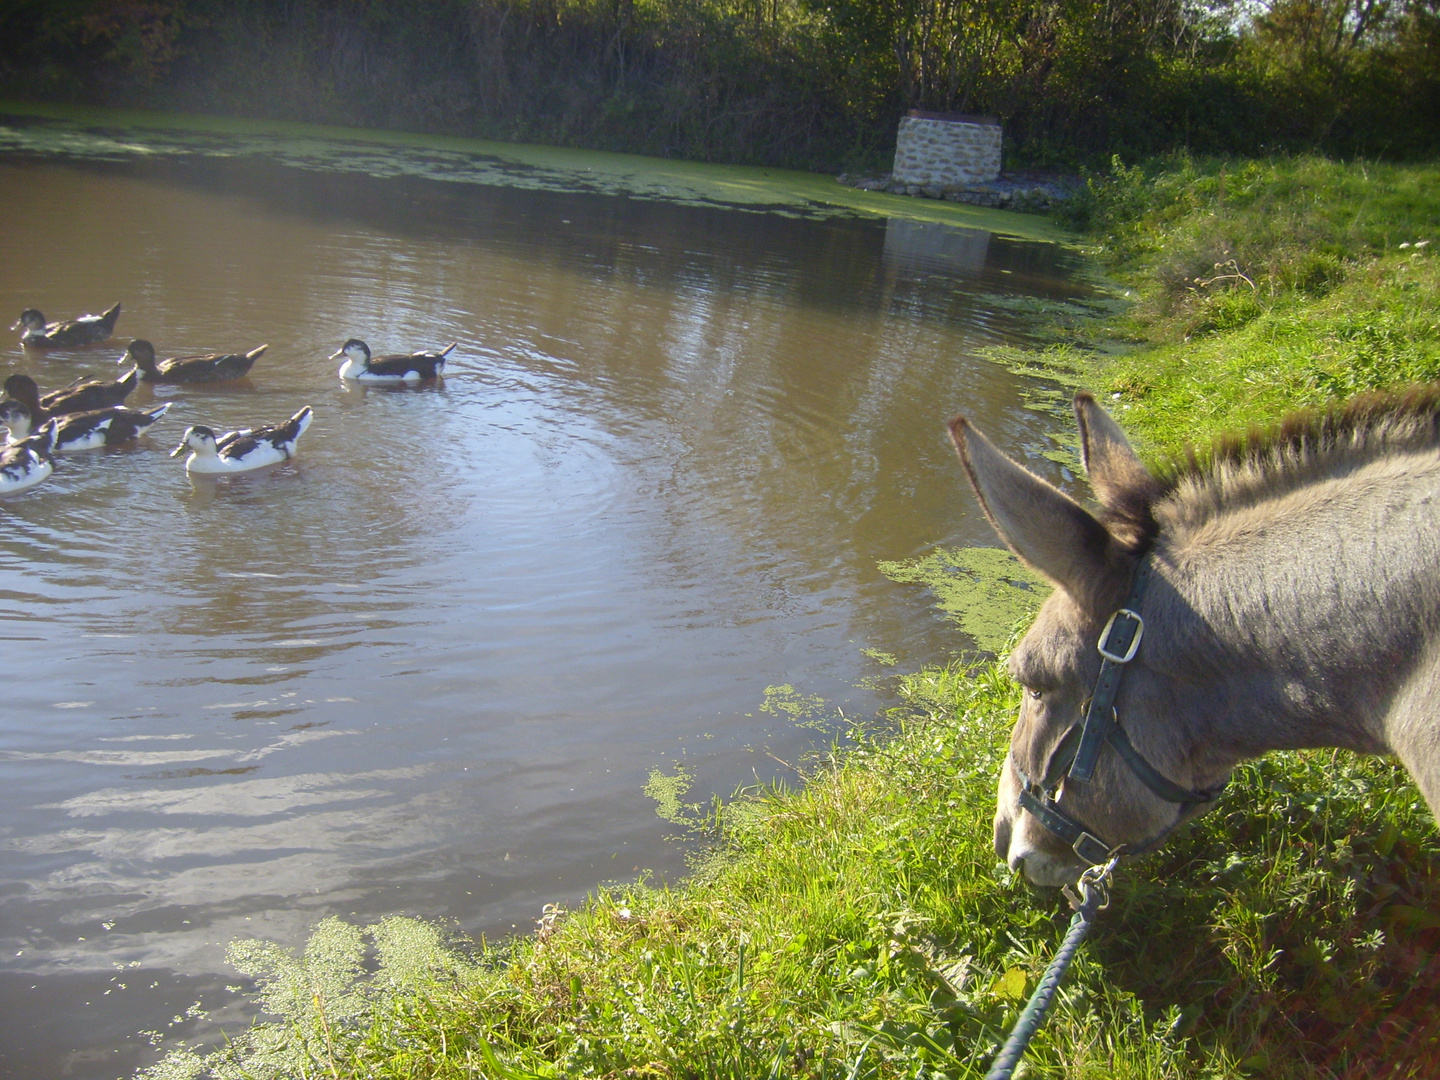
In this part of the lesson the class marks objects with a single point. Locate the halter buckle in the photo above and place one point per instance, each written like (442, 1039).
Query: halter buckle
(1090, 849)
(1127, 635)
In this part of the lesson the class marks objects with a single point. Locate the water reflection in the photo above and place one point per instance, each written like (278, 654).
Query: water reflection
(934, 247)
(427, 665)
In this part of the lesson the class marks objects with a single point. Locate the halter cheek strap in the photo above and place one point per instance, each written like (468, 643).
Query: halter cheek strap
(1118, 644)
(1076, 758)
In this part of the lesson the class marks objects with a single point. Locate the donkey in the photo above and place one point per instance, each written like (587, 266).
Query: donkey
(1282, 593)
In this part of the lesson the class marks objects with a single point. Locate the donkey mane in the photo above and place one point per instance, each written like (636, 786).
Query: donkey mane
(1240, 469)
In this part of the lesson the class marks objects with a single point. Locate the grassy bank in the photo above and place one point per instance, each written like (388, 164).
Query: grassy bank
(860, 926)
(1264, 286)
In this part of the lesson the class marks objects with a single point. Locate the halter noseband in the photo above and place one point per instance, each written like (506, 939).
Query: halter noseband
(1079, 748)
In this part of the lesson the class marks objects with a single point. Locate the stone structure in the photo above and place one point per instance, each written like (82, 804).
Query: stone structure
(956, 157)
(946, 152)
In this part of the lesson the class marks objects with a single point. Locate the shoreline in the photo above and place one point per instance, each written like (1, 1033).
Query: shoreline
(1021, 191)
(761, 189)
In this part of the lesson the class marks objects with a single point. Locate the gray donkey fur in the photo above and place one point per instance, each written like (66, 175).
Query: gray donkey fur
(1294, 602)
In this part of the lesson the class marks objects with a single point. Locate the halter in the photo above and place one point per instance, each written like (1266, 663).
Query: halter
(1079, 748)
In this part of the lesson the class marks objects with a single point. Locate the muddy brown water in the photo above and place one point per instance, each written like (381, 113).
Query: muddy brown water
(427, 666)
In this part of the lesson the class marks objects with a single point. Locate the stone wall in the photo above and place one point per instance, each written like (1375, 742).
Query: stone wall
(944, 153)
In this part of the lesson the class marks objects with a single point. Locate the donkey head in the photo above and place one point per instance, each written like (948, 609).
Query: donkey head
(1091, 561)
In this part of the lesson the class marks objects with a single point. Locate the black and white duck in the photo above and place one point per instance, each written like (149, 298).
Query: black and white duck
(78, 397)
(241, 451)
(83, 330)
(359, 366)
(82, 430)
(24, 464)
(208, 367)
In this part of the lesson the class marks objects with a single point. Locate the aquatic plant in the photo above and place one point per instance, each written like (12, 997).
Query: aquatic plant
(987, 591)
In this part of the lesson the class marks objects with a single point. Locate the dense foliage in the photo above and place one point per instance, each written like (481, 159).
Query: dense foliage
(811, 83)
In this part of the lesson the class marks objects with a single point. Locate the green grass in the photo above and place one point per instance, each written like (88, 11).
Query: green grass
(860, 925)
(1264, 287)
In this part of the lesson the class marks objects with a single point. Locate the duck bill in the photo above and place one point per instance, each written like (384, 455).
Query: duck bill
(179, 449)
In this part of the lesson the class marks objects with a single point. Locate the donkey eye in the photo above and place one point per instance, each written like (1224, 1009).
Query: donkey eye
(1032, 692)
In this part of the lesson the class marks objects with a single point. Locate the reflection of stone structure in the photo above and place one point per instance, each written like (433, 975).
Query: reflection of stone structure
(960, 251)
(947, 151)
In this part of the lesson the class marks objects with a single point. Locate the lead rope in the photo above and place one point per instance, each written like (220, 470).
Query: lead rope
(1092, 898)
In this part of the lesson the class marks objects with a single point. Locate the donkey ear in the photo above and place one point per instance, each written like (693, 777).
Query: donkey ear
(1116, 473)
(1041, 524)
(1122, 484)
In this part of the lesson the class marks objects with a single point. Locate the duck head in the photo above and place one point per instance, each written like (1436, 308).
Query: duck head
(23, 389)
(140, 353)
(16, 417)
(30, 320)
(198, 438)
(355, 350)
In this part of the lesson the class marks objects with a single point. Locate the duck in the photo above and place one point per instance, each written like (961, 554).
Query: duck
(80, 397)
(24, 464)
(241, 451)
(85, 430)
(401, 367)
(84, 330)
(208, 367)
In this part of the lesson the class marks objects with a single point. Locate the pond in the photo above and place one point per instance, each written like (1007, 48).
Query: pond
(427, 666)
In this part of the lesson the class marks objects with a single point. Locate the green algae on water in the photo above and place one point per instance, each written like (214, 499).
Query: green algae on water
(802, 710)
(667, 791)
(107, 134)
(988, 591)
(344, 979)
